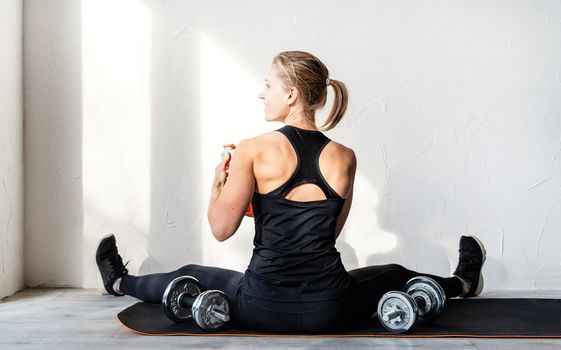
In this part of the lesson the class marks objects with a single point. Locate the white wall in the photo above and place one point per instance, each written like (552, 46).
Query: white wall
(454, 115)
(11, 148)
(53, 150)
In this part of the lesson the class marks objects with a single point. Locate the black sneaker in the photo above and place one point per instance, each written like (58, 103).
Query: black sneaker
(472, 257)
(110, 263)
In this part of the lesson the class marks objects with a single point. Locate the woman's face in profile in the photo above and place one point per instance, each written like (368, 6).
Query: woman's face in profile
(275, 96)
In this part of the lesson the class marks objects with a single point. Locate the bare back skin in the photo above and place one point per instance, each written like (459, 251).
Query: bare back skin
(275, 161)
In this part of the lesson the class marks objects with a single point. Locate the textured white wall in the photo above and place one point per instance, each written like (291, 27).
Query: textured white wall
(454, 115)
(11, 148)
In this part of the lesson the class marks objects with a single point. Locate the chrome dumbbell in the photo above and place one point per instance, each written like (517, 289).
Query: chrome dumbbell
(184, 299)
(422, 302)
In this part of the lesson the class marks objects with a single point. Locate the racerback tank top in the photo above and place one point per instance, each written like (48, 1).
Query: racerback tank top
(294, 257)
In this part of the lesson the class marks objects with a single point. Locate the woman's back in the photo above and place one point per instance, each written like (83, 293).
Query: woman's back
(275, 161)
(294, 258)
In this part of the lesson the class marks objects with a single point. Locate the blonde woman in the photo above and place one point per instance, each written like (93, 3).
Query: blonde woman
(300, 184)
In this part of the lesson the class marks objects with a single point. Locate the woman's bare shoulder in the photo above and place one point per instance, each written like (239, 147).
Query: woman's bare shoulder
(341, 148)
(266, 139)
(341, 153)
(258, 144)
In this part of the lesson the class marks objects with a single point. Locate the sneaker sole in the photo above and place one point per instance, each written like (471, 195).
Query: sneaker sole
(484, 253)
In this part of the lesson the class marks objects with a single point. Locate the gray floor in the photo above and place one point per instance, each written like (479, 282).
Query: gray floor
(85, 319)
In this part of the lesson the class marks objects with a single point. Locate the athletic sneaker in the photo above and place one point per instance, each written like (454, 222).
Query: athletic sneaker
(472, 257)
(110, 263)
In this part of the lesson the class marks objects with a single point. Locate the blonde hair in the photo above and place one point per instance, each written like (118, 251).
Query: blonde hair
(310, 76)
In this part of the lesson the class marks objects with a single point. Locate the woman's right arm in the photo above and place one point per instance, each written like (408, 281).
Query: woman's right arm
(349, 199)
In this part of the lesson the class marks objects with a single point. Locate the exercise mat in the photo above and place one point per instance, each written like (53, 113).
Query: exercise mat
(466, 318)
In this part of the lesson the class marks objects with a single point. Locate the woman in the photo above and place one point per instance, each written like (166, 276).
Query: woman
(300, 184)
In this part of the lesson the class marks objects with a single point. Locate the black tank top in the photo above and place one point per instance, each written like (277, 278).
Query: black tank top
(294, 258)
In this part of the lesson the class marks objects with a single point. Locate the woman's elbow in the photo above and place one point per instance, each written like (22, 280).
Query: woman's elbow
(215, 227)
(220, 237)
(221, 234)
(221, 229)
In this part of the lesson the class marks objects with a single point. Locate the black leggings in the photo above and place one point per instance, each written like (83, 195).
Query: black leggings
(312, 317)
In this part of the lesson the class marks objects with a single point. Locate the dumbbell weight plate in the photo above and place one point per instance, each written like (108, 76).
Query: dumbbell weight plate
(432, 294)
(183, 286)
(211, 310)
(400, 308)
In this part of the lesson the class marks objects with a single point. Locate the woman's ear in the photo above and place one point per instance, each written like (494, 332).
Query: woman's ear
(293, 96)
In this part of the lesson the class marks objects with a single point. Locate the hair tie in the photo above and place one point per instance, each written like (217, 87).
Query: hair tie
(327, 81)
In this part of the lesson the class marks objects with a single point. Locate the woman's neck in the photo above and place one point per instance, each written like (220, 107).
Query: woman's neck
(299, 120)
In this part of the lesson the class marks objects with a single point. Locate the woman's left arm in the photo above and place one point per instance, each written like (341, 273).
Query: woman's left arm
(229, 199)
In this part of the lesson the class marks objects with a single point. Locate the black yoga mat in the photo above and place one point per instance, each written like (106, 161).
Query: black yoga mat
(467, 318)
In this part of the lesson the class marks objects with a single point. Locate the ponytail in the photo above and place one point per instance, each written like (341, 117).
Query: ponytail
(340, 102)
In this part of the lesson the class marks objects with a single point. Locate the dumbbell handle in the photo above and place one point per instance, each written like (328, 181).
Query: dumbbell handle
(185, 300)
(219, 314)
(395, 313)
(391, 315)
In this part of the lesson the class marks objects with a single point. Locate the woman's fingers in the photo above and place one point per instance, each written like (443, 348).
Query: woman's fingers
(221, 171)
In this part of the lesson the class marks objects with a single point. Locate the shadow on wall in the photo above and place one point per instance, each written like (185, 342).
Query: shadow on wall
(53, 152)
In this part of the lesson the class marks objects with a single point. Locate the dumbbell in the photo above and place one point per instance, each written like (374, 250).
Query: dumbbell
(184, 299)
(422, 302)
